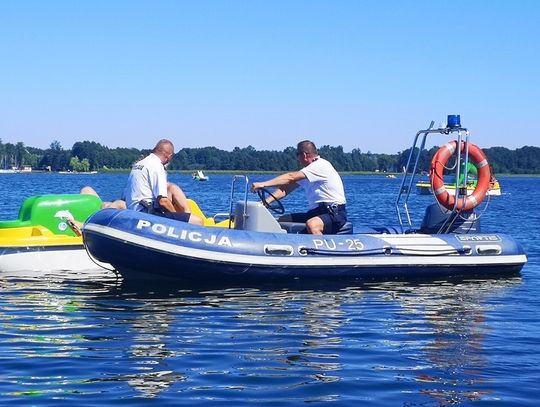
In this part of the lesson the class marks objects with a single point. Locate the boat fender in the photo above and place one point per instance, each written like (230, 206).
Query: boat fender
(438, 164)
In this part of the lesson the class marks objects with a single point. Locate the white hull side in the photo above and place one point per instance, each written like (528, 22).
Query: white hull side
(47, 261)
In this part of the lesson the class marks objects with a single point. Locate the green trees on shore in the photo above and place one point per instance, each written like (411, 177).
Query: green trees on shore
(89, 155)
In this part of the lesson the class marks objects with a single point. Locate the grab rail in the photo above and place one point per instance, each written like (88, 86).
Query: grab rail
(235, 178)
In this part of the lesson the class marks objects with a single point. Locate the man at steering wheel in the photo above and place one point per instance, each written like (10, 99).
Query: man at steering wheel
(324, 191)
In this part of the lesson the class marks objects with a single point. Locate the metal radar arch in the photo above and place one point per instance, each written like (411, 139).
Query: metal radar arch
(453, 126)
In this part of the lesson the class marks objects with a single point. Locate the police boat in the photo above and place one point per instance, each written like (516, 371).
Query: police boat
(254, 246)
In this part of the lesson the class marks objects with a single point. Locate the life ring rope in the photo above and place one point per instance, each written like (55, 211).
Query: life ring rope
(438, 165)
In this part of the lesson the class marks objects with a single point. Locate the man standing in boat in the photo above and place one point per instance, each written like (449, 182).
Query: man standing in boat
(146, 189)
(324, 191)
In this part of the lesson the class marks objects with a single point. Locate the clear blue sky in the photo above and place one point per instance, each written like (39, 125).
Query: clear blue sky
(361, 74)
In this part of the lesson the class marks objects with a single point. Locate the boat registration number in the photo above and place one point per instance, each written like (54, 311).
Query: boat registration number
(331, 244)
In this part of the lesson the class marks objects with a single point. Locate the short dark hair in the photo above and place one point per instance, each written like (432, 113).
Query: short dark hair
(306, 146)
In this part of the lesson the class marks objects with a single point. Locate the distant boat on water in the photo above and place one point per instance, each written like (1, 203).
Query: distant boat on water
(77, 172)
(424, 188)
(8, 171)
(16, 170)
(199, 176)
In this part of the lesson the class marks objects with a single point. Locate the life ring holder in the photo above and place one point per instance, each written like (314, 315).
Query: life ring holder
(438, 164)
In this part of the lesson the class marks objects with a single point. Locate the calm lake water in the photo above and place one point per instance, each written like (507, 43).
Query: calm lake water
(97, 341)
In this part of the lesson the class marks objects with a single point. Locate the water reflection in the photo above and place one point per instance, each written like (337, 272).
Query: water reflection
(446, 325)
(42, 322)
(151, 348)
(250, 345)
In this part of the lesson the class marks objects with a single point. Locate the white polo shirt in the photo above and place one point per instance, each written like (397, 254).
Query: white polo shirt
(147, 180)
(323, 184)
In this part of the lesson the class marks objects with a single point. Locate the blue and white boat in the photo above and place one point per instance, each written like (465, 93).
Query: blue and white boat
(254, 246)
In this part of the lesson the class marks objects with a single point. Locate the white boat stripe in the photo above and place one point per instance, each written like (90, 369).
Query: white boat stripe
(422, 240)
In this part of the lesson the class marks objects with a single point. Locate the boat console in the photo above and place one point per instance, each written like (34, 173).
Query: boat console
(250, 215)
(253, 216)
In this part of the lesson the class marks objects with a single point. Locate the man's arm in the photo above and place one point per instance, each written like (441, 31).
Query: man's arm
(166, 204)
(286, 182)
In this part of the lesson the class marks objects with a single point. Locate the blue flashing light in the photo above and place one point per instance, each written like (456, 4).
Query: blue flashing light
(453, 121)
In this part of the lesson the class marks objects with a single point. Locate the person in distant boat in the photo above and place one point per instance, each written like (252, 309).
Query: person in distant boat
(147, 189)
(327, 212)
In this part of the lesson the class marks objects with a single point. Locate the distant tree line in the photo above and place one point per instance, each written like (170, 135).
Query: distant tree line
(89, 155)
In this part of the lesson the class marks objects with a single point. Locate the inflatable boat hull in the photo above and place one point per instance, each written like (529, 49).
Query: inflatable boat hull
(139, 245)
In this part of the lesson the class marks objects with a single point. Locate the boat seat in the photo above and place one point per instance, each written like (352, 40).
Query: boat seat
(299, 227)
(257, 218)
(436, 217)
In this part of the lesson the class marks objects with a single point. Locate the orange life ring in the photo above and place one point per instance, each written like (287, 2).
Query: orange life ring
(438, 163)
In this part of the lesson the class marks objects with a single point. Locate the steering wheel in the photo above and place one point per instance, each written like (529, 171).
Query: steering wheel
(275, 206)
